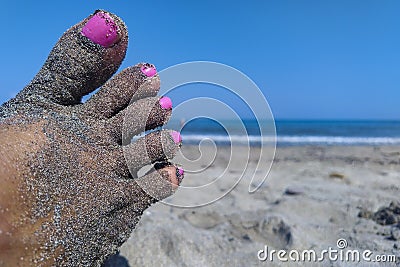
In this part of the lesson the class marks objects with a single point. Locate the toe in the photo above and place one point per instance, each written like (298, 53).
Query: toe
(140, 193)
(129, 85)
(162, 181)
(173, 174)
(144, 114)
(83, 59)
(157, 146)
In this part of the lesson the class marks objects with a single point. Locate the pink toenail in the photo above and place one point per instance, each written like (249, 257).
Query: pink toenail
(101, 29)
(148, 70)
(181, 171)
(165, 102)
(176, 136)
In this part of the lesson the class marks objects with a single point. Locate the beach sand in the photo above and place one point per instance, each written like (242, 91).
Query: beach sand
(312, 197)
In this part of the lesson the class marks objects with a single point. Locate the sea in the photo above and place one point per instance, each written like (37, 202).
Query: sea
(290, 132)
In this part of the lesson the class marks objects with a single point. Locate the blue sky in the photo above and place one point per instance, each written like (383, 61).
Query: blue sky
(311, 59)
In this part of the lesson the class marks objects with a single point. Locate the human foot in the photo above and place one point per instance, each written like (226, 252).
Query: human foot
(67, 196)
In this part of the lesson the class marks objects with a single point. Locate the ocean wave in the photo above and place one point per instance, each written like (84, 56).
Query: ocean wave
(292, 140)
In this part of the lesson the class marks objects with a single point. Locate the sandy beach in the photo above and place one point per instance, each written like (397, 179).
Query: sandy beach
(313, 196)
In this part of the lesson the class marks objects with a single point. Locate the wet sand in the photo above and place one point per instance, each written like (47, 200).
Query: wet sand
(312, 197)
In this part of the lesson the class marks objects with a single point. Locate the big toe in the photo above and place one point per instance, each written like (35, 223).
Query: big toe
(83, 59)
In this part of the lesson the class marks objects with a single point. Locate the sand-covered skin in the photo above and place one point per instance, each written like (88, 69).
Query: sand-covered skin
(303, 205)
(69, 198)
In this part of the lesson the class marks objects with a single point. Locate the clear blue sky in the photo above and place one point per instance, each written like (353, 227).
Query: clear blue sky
(312, 59)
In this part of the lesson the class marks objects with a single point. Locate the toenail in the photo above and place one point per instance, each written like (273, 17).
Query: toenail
(176, 136)
(101, 29)
(148, 70)
(179, 175)
(180, 172)
(165, 102)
